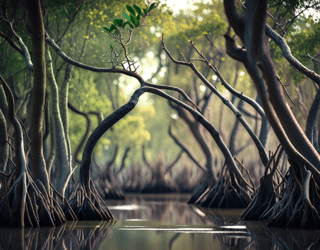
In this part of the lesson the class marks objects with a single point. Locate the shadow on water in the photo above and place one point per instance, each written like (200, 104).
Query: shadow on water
(161, 222)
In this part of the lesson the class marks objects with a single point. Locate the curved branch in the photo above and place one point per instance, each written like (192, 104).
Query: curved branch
(187, 151)
(174, 162)
(11, 43)
(86, 134)
(209, 127)
(68, 59)
(24, 48)
(98, 132)
(286, 52)
(144, 158)
(312, 116)
(124, 157)
(174, 89)
(262, 152)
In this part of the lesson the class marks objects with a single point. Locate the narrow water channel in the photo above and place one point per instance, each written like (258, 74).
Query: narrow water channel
(160, 222)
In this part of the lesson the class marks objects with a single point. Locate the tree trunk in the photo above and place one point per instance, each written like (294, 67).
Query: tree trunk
(61, 163)
(39, 88)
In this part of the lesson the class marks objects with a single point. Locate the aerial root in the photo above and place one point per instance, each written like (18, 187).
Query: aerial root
(35, 208)
(160, 185)
(89, 206)
(109, 189)
(264, 199)
(200, 191)
(295, 209)
(227, 193)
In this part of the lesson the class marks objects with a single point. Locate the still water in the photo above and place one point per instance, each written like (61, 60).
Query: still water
(160, 222)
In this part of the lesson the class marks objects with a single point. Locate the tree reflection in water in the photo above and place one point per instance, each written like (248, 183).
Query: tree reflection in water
(228, 219)
(165, 208)
(76, 235)
(282, 239)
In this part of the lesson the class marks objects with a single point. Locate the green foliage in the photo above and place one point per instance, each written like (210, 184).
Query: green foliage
(133, 20)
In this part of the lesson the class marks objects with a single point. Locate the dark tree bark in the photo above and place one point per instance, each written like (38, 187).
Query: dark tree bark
(4, 145)
(301, 189)
(39, 88)
(86, 133)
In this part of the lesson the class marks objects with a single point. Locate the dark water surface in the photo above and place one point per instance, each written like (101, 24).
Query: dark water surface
(160, 222)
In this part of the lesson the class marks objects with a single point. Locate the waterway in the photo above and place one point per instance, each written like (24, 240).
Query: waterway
(160, 222)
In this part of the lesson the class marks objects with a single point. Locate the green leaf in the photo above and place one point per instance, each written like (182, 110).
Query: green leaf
(137, 8)
(205, 33)
(145, 11)
(118, 22)
(106, 29)
(117, 32)
(126, 16)
(112, 27)
(138, 17)
(131, 10)
(132, 19)
(152, 6)
(137, 23)
(131, 26)
(111, 47)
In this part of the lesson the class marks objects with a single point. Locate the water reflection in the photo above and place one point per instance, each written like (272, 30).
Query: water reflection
(281, 238)
(161, 222)
(167, 222)
(81, 235)
(171, 208)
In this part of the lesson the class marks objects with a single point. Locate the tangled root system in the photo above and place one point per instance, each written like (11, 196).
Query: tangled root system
(25, 202)
(227, 193)
(89, 206)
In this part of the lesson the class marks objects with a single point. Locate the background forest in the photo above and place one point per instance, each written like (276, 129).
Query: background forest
(157, 139)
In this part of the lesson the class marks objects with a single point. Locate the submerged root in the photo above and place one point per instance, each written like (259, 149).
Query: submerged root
(27, 203)
(89, 206)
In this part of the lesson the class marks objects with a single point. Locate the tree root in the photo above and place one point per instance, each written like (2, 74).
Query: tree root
(227, 193)
(26, 203)
(133, 183)
(160, 182)
(89, 206)
(266, 196)
(201, 190)
(295, 209)
(160, 185)
(108, 187)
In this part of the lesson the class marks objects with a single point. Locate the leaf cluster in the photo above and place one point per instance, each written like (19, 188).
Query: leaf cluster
(133, 19)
